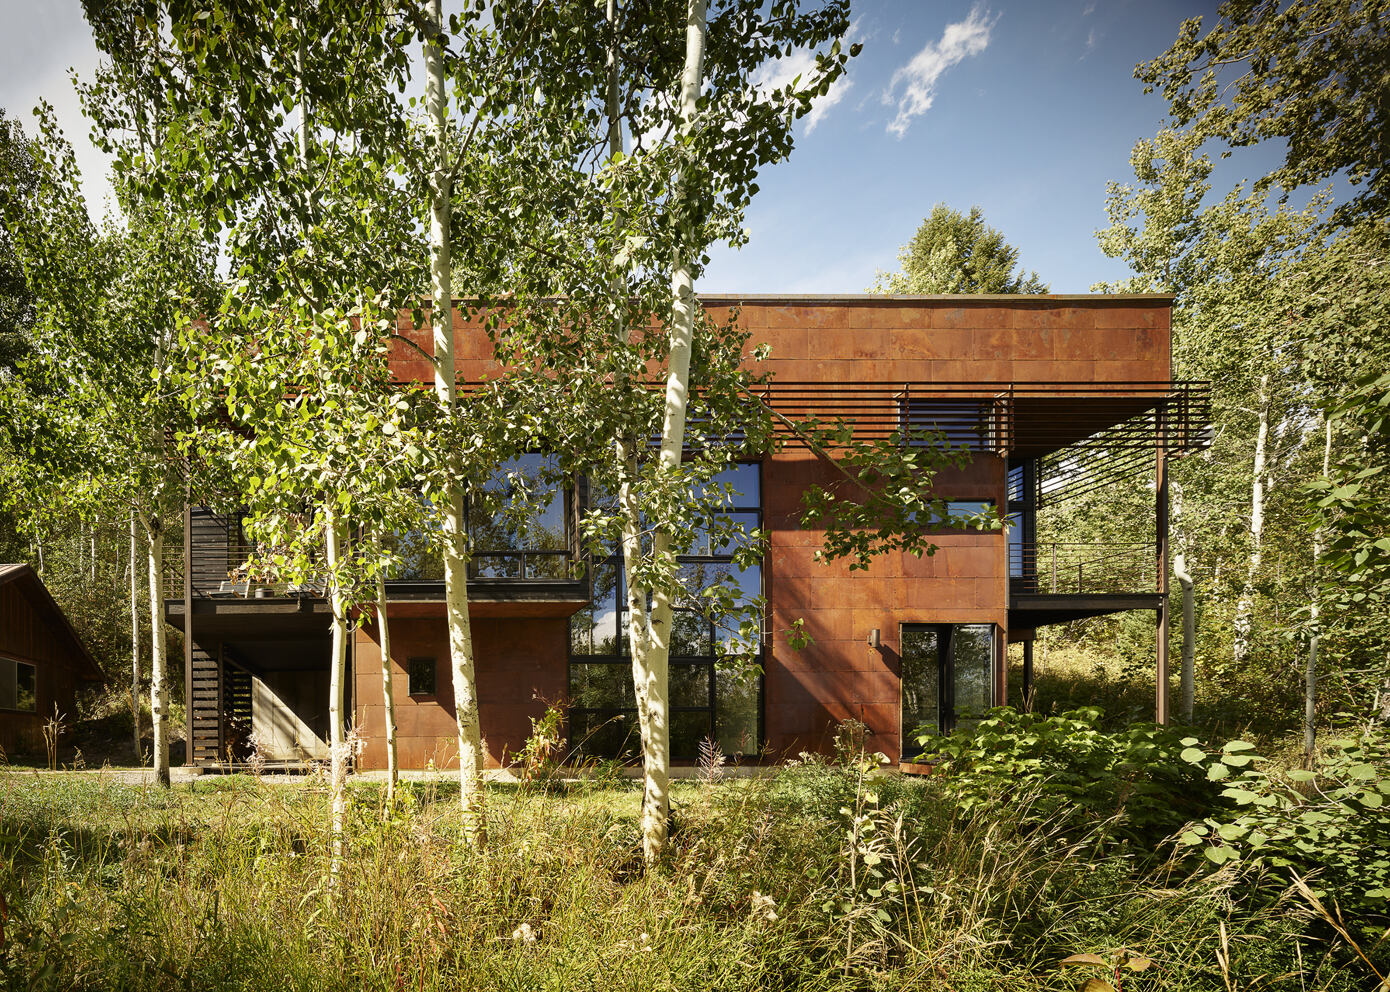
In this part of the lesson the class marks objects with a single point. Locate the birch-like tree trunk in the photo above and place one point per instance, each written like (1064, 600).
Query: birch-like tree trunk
(337, 743)
(1310, 674)
(651, 630)
(655, 768)
(1246, 604)
(388, 694)
(159, 648)
(135, 637)
(1187, 678)
(1382, 712)
(455, 528)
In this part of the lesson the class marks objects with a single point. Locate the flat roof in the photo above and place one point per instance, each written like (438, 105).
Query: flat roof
(1101, 298)
(940, 298)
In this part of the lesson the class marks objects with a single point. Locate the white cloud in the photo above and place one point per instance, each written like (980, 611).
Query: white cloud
(802, 62)
(917, 79)
(47, 39)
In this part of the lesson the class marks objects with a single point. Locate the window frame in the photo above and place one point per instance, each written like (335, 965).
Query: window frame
(709, 662)
(947, 718)
(34, 670)
(410, 663)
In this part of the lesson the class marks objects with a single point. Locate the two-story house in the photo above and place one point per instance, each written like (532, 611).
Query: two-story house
(1051, 393)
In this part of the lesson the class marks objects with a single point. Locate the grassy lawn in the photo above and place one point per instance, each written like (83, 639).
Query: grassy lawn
(816, 879)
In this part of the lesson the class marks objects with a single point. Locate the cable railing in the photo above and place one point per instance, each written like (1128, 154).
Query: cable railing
(1070, 569)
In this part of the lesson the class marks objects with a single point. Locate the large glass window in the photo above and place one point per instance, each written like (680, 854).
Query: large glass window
(517, 528)
(18, 686)
(713, 693)
(947, 678)
(524, 536)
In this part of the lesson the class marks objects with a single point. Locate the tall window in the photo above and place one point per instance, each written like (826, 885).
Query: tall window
(18, 686)
(517, 528)
(947, 677)
(524, 537)
(712, 694)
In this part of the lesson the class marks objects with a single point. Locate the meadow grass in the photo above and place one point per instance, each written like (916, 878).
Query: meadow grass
(819, 878)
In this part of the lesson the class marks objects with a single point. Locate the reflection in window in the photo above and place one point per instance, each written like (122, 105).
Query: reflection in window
(523, 534)
(712, 694)
(18, 686)
(921, 681)
(1014, 528)
(947, 678)
(960, 423)
(964, 513)
(972, 662)
(418, 556)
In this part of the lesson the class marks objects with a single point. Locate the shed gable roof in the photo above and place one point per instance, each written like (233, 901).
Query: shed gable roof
(29, 580)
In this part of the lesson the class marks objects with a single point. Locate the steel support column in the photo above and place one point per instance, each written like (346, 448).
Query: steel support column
(1161, 563)
(187, 633)
(1028, 675)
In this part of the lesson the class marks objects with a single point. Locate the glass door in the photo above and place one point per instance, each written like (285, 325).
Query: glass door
(922, 655)
(947, 678)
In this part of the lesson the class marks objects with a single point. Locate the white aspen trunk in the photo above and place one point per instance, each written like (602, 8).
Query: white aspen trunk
(1187, 676)
(1246, 604)
(455, 529)
(159, 650)
(639, 619)
(1310, 674)
(338, 748)
(93, 535)
(650, 666)
(38, 544)
(388, 695)
(135, 639)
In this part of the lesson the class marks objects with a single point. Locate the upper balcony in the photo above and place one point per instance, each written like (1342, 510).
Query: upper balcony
(532, 569)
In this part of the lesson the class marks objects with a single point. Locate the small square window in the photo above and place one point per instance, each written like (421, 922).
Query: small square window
(421, 676)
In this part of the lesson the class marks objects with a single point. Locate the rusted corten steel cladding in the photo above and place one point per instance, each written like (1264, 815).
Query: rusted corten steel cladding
(848, 341)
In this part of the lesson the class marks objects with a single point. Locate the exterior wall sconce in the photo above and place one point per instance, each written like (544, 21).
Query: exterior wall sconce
(874, 638)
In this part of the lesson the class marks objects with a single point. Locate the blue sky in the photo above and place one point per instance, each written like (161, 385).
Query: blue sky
(1024, 107)
(1033, 109)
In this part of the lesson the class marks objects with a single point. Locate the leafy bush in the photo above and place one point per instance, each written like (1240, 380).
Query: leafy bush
(1073, 770)
(1331, 822)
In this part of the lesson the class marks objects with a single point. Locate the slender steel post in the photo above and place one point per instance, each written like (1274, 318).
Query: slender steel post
(187, 633)
(1161, 562)
(1028, 675)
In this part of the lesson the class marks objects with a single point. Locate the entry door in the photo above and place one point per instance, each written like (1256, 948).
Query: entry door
(947, 677)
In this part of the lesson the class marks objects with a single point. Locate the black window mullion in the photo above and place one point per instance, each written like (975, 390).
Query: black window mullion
(947, 673)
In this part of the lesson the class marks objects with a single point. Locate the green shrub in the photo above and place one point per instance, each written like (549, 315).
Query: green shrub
(1331, 823)
(1071, 770)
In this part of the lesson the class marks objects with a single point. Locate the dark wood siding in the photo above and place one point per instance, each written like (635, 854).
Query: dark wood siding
(29, 632)
(216, 541)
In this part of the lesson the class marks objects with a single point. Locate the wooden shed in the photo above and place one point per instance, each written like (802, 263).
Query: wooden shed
(42, 660)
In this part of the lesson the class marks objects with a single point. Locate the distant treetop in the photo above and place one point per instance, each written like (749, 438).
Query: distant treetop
(955, 253)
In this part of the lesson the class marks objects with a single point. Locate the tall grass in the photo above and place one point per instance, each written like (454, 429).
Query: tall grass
(821, 878)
